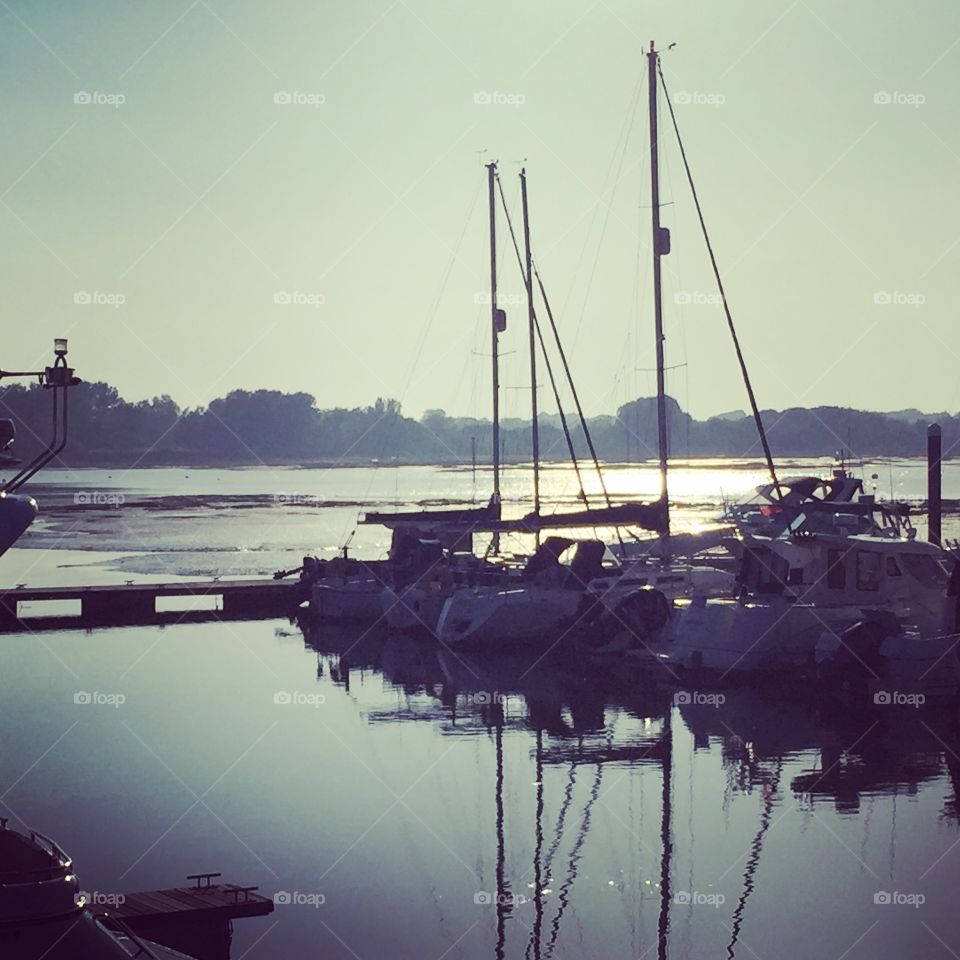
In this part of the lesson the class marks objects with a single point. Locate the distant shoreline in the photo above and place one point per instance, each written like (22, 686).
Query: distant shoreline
(689, 462)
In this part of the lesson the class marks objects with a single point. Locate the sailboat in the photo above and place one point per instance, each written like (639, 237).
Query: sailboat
(810, 569)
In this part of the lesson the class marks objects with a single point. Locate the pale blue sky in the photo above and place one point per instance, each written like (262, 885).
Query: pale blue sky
(200, 198)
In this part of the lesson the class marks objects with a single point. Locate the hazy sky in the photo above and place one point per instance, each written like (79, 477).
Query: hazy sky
(184, 210)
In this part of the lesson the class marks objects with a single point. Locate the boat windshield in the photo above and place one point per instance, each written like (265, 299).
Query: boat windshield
(923, 567)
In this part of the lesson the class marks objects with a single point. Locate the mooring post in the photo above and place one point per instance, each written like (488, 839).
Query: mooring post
(934, 505)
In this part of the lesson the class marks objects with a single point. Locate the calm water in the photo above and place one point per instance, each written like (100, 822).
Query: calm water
(412, 804)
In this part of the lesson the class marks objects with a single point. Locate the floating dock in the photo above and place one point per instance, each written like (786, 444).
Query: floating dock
(194, 919)
(131, 604)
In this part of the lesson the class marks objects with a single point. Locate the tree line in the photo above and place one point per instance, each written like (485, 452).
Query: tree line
(269, 426)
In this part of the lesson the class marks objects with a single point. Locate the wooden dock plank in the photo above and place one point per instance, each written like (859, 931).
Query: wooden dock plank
(217, 899)
(186, 588)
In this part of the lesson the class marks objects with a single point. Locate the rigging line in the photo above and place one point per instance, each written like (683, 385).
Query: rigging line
(573, 389)
(631, 115)
(546, 358)
(758, 420)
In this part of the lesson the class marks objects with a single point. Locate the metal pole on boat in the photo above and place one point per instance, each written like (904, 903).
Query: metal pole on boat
(473, 464)
(532, 321)
(661, 246)
(497, 323)
(934, 491)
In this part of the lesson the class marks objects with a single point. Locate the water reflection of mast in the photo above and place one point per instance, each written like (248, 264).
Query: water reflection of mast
(666, 838)
(497, 716)
(564, 895)
(753, 860)
(537, 853)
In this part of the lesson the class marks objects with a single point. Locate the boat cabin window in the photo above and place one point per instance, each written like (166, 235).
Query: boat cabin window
(892, 569)
(868, 570)
(924, 568)
(836, 569)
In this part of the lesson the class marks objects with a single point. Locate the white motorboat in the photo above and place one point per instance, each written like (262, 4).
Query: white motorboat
(355, 599)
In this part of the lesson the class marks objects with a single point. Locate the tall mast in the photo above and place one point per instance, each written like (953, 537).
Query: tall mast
(532, 320)
(495, 326)
(661, 246)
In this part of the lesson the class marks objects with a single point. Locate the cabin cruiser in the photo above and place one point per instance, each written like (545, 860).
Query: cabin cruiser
(816, 544)
(813, 563)
(44, 914)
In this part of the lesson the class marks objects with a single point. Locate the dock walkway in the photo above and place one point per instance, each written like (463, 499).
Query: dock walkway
(135, 603)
